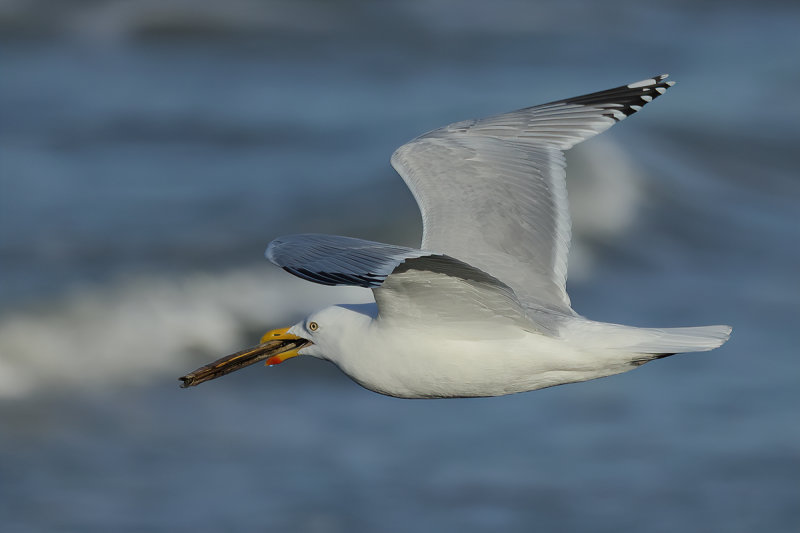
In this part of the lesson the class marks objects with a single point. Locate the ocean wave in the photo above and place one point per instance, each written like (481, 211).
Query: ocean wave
(135, 330)
(192, 18)
(119, 19)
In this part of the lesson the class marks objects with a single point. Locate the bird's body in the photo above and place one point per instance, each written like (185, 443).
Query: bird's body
(481, 308)
(418, 360)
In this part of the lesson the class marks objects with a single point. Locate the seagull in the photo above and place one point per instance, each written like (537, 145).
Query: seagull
(481, 307)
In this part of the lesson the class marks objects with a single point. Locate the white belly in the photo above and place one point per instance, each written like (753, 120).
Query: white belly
(411, 364)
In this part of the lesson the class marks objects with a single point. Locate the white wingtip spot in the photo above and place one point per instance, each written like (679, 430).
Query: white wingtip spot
(643, 83)
(619, 115)
(660, 90)
(647, 98)
(670, 83)
(663, 77)
(636, 107)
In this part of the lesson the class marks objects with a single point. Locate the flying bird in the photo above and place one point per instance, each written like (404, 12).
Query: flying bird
(481, 308)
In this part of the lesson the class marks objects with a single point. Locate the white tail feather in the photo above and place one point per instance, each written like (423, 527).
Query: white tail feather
(649, 340)
(680, 340)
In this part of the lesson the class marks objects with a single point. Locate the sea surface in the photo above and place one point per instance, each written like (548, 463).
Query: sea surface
(150, 150)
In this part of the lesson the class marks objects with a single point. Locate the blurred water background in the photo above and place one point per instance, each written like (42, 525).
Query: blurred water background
(150, 150)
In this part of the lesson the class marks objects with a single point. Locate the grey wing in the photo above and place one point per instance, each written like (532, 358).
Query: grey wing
(410, 285)
(336, 260)
(492, 192)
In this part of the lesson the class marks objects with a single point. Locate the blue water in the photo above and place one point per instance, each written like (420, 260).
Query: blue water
(148, 154)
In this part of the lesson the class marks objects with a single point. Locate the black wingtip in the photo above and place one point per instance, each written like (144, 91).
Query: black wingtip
(625, 100)
(650, 357)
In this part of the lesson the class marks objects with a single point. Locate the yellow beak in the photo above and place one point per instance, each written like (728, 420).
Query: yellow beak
(282, 334)
(276, 347)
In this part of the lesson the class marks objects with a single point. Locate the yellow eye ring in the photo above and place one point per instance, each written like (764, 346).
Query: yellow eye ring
(313, 326)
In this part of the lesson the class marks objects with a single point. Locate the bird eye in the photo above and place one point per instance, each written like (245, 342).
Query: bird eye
(313, 326)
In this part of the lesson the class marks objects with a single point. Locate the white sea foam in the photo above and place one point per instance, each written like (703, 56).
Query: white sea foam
(132, 331)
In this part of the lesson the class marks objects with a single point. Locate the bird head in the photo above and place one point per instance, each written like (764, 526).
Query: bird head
(318, 335)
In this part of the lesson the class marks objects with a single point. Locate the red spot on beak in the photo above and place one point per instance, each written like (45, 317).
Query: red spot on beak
(274, 360)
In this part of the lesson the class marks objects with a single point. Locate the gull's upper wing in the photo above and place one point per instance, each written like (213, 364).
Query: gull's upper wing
(492, 192)
(409, 285)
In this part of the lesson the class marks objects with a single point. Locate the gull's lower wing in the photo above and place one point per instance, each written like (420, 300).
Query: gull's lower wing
(409, 284)
(492, 192)
(337, 260)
